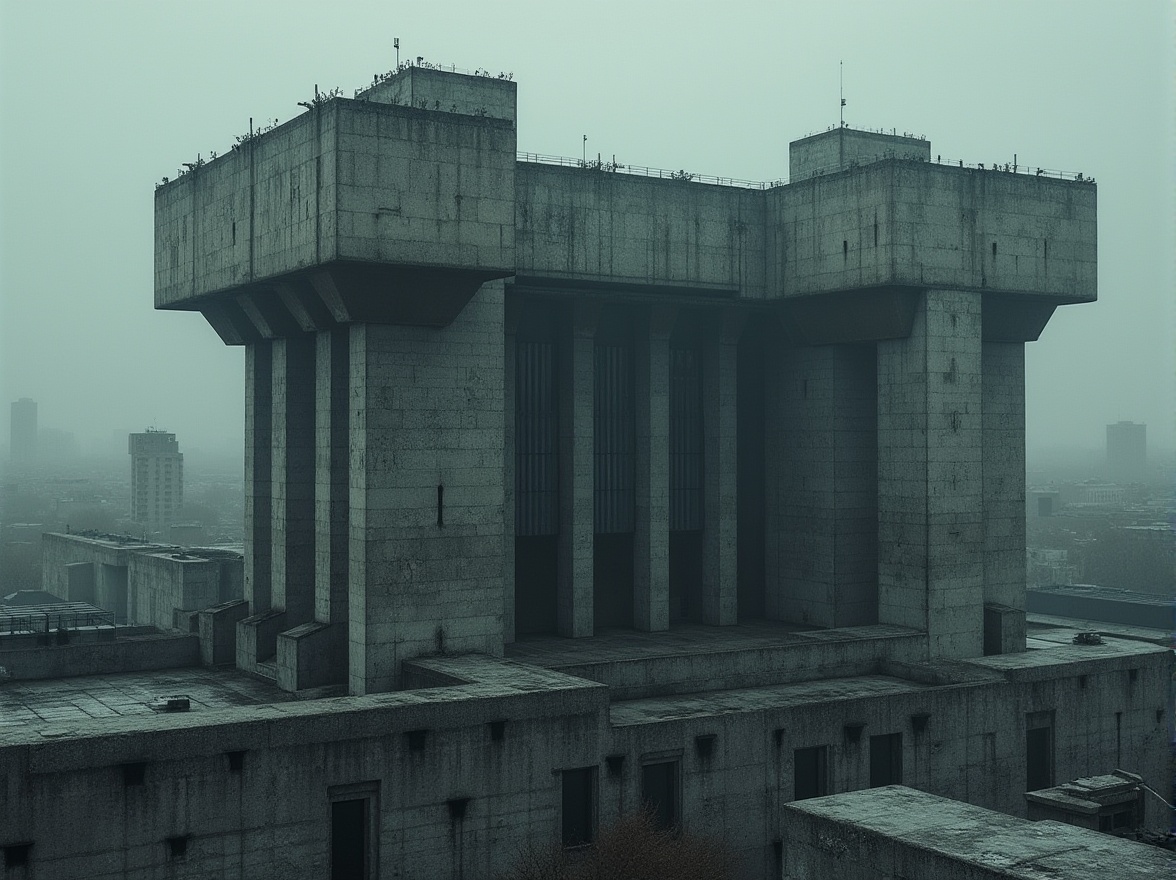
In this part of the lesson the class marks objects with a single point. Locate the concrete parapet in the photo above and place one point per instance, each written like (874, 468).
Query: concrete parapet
(257, 638)
(312, 655)
(1004, 629)
(109, 656)
(218, 632)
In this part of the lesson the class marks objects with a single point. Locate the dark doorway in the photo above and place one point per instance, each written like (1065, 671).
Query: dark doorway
(535, 584)
(659, 792)
(886, 760)
(579, 813)
(612, 580)
(349, 844)
(1039, 751)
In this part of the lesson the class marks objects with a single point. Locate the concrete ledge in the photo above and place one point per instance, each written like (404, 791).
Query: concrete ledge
(257, 638)
(133, 654)
(310, 656)
(218, 632)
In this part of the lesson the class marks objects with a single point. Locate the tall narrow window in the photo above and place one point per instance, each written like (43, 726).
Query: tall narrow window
(659, 792)
(1039, 751)
(886, 760)
(579, 806)
(810, 772)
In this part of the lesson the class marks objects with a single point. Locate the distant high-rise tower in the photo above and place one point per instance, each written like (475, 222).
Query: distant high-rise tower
(157, 478)
(1126, 451)
(24, 430)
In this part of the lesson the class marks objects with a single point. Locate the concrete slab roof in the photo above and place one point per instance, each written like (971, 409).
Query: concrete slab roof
(1003, 845)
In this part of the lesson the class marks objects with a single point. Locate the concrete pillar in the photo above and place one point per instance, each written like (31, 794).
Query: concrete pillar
(293, 519)
(511, 310)
(651, 538)
(574, 612)
(823, 546)
(1003, 415)
(258, 463)
(930, 530)
(720, 588)
(332, 474)
(426, 499)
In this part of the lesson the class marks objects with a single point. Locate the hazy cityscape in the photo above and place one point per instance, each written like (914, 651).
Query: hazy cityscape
(565, 454)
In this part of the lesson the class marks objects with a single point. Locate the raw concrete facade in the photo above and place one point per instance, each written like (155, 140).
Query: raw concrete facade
(575, 480)
(157, 478)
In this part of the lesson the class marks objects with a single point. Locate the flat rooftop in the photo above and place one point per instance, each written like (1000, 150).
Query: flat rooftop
(988, 843)
(39, 705)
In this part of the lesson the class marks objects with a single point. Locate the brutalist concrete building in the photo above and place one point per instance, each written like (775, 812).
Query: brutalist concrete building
(572, 486)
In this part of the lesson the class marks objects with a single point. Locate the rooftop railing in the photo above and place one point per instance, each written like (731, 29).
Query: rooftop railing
(53, 617)
(614, 167)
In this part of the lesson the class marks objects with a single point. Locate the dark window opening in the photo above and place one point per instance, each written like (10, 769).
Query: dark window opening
(579, 807)
(536, 436)
(416, 740)
(177, 847)
(536, 560)
(16, 855)
(886, 760)
(810, 772)
(659, 792)
(440, 507)
(612, 579)
(845, 249)
(614, 430)
(686, 440)
(457, 808)
(236, 761)
(234, 232)
(349, 843)
(1039, 749)
(704, 745)
(875, 233)
(994, 248)
(497, 731)
(134, 774)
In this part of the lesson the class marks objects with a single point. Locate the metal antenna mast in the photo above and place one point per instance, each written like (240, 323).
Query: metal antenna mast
(841, 85)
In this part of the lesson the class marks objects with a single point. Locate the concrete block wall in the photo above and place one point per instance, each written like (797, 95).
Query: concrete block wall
(582, 224)
(477, 95)
(930, 478)
(426, 494)
(161, 584)
(823, 508)
(262, 209)
(927, 225)
(841, 148)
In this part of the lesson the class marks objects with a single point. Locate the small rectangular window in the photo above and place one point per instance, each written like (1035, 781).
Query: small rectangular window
(16, 855)
(579, 806)
(659, 792)
(810, 772)
(886, 760)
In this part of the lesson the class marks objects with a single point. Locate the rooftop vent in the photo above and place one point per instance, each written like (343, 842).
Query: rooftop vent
(174, 703)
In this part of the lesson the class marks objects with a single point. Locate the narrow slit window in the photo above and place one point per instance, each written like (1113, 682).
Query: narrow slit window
(440, 506)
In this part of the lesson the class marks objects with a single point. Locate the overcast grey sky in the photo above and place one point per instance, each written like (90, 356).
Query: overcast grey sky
(101, 100)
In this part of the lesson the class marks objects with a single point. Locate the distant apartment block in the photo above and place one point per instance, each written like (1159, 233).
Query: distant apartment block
(23, 446)
(1126, 452)
(157, 478)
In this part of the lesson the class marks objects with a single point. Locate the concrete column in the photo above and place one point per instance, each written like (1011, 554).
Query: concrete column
(1003, 415)
(720, 588)
(510, 326)
(293, 530)
(577, 388)
(930, 530)
(824, 565)
(426, 500)
(651, 538)
(332, 472)
(258, 462)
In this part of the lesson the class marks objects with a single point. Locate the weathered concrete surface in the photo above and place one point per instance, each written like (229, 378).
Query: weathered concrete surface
(896, 832)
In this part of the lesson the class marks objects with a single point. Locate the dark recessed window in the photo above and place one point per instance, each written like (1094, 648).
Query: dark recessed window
(810, 772)
(994, 248)
(134, 774)
(578, 816)
(886, 760)
(16, 855)
(497, 731)
(236, 761)
(177, 847)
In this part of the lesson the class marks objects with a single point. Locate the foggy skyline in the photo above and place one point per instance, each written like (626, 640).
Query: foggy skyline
(102, 101)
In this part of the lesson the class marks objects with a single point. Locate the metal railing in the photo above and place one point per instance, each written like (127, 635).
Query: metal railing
(614, 167)
(51, 618)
